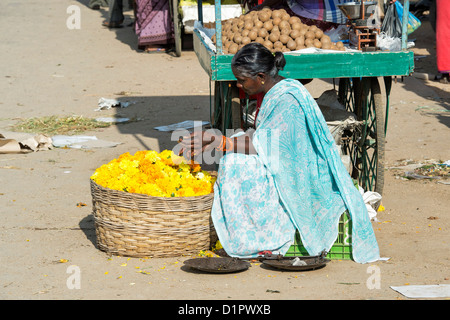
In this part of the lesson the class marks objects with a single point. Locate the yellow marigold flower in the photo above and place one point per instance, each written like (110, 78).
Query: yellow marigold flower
(157, 174)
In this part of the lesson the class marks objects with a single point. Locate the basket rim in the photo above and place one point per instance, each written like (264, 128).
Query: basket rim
(106, 189)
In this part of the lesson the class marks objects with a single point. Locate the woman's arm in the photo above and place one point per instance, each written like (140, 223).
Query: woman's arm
(243, 143)
(201, 141)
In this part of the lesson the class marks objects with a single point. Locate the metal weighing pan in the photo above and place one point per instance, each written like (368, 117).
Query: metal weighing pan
(304, 264)
(217, 265)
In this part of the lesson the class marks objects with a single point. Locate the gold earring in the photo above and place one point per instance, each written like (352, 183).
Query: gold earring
(262, 82)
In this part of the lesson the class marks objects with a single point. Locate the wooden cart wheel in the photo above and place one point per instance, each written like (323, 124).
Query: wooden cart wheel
(177, 27)
(366, 145)
(227, 106)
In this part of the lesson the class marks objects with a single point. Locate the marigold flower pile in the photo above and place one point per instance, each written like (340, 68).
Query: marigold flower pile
(156, 174)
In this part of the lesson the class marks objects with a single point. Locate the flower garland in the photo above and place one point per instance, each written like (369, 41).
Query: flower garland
(156, 174)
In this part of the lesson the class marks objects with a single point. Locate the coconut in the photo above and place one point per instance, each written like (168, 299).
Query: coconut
(309, 42)
(300, 41)
(303, 30)
(310, 35)
(248, 16)
(284, 38)
(294, 34)
(313, 28)
(233, 48)
(300, 47)
(258, 24)
(253, 35)
(276, 21)
(245, 32)
(296, 26)
(248, 25)
(268, 44)
(284, 24)
(274, 36)
(262, 33)
(285, 16)
(293, 20)
(263, 16)
(237, 38)
(245, 40)
(259, 40)
(318, 33)
(317, 43)
(268, 25)
(277, 45)
(285, 31)
(339, 45)
(325, 39)
(291, 44)
(276, 13)
(326, 45)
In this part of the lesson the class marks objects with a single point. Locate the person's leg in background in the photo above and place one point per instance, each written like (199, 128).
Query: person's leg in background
(96, 4)
(443, 39)
(115, 14)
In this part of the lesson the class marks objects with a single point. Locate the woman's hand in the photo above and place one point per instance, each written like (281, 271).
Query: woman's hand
(198, 141)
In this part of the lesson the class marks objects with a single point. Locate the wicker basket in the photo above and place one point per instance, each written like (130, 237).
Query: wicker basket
(137, 225)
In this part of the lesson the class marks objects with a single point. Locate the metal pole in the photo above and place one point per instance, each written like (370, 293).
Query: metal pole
(218, 10)
(405, 25)
(200, 11)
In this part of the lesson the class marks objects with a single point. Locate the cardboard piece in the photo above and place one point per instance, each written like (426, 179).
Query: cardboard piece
(14, 142)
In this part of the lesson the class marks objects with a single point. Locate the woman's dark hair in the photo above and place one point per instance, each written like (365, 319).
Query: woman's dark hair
(255, 58)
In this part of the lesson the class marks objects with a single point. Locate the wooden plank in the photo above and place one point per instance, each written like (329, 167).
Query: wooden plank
(349, 64)
(331, 65)
(204, 55)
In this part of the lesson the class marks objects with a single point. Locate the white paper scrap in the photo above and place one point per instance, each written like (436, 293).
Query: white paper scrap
(81, 142)
(112, 119)
(105, 104)
(424, 291)
(188, 124)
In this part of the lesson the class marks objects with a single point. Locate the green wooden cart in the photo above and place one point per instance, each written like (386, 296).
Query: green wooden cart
(358, 75)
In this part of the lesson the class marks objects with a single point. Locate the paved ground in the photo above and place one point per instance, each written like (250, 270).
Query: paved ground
(50, 69)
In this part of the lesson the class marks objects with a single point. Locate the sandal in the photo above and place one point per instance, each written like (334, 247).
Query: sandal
(112, 24)
(155, 50)
(443, 78)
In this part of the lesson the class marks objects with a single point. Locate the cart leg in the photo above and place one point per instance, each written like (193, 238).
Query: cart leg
(227, 110)
(349, 95)
(365, 146)
(176, 26)
(372, 144)
(388, 86)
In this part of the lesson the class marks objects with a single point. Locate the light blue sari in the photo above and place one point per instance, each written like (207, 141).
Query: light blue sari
(296, 181)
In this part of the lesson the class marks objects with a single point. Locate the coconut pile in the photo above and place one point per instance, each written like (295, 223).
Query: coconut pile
(276, 30)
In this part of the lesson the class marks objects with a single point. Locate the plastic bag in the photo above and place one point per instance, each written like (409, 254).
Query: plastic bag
(370, 198)
(413, 22)
(386, 43)
(392, 24)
